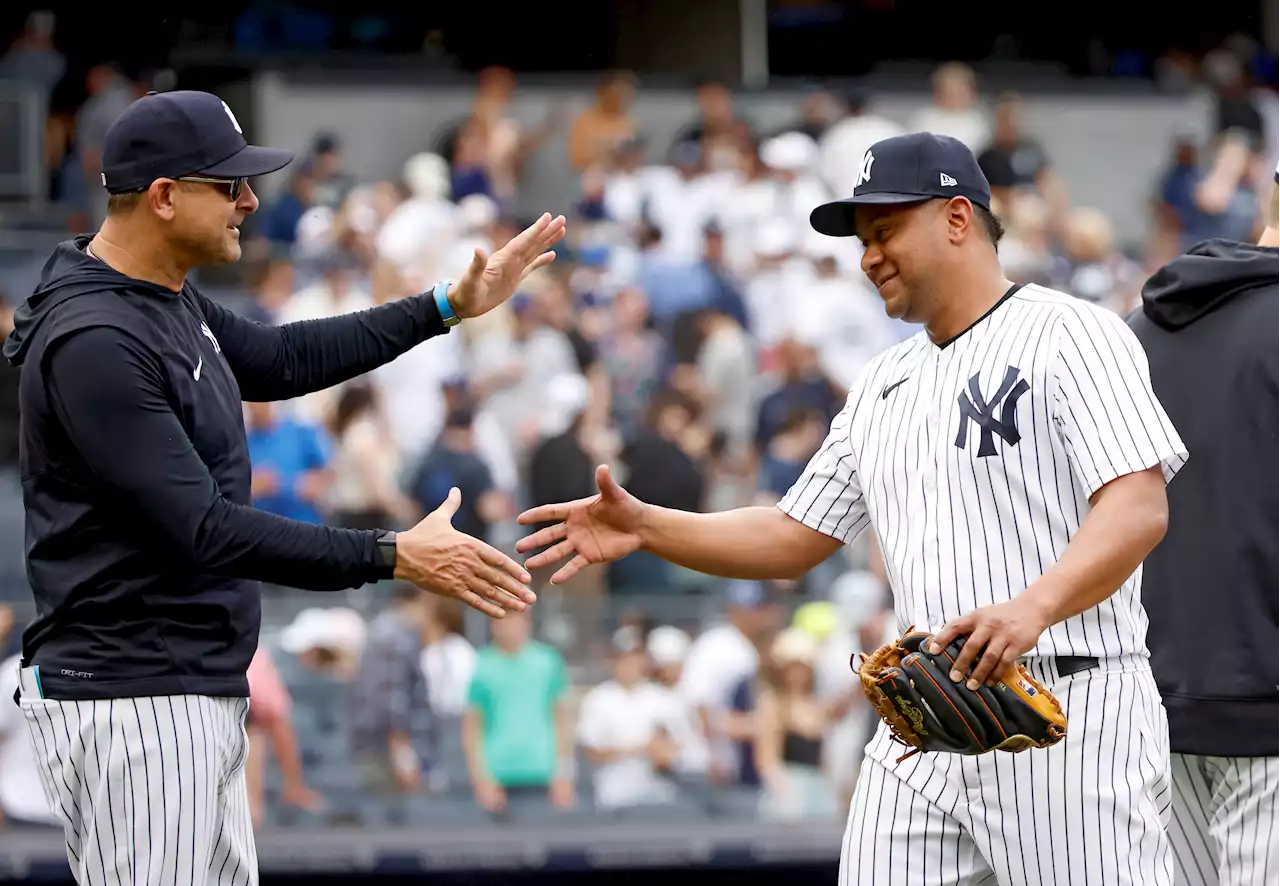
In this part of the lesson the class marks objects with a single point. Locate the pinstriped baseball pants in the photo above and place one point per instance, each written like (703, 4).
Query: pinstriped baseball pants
(1224, 829)
(150, 791)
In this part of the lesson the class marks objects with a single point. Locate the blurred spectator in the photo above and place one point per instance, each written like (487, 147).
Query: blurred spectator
(292, 463)
(1025, 253)
(1234, 110)
(721, 381)
(955, 110)
(277, 223)
(518, 728)
(632, 356)
(1092, 268)
(332, 183)
(793, 159)
(843, 145)
(719, 662)
(270, 725)
(668, 647)
(819, 109)
(624, 730)
(598, 131)
(420, 229)
(661, 471)
(1217, 197)
(453, 461)
(717, 128)
(1014, 162)
(680, 201)
(110, 92)
(511, 370)
(32, 57)
(365, 493)
(448, 659)
(801, 385)
(22, 798)
(788, 451)
(791, 722)
(9, 378)
(392, 735)
(273, 290)
(339, 289)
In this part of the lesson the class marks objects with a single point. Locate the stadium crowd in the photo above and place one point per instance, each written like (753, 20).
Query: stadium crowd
(696, 334)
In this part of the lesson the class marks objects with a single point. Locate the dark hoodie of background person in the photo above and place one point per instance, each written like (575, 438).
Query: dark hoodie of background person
(1208, 323)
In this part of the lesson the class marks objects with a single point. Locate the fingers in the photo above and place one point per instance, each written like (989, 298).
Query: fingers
(969, 653)
(499, 560)
(570, 569)
(551, 513)
(542, 537)
(540, 262)
(531, 235)
(450, 505)
(957, 628)
(988, 663)
(478, 603)
(520, 596)
(478, 261)
(492, 587)
(551, 555)
(608, 486)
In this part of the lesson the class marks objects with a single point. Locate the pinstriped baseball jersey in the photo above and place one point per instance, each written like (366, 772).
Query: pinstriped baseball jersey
(974, 461)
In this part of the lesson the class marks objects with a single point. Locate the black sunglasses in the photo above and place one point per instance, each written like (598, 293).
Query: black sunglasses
(236, 185)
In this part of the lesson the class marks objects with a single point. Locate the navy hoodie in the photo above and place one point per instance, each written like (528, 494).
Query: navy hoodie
(1208, 323)
(143, 553)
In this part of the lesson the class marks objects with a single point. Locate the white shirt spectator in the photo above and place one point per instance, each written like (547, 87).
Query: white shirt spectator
(448, 665)
(968, 125)
(22, 796)
(615, 718)
(720, 659)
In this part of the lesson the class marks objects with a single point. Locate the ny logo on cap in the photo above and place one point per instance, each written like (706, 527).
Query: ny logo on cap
(234, 121)
(864, 174)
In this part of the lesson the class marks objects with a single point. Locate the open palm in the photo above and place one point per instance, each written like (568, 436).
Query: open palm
(599, 529)
(492, 279)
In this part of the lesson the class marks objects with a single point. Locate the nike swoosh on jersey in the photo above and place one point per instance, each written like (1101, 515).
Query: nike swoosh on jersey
(888, 389)
(199, 364)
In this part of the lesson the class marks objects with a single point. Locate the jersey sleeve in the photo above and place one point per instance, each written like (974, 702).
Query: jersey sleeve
(1110, 419)
(828, 496)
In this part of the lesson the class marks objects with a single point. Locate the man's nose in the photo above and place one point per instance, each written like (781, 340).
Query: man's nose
(248, 201)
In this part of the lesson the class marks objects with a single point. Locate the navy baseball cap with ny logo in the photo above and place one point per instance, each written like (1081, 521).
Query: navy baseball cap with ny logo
(907, 169)
(173, 134)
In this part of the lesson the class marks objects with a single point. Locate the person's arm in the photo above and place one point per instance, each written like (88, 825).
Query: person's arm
(562, 785)
(823, 511)
(1271, 214)
(767, 743)
(283, 362)
(109, 394)
(1122, 449)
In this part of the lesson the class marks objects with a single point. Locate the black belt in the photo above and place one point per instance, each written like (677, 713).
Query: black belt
(1074, 664)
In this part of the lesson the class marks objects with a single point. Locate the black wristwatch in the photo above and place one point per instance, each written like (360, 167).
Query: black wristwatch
(387, 554)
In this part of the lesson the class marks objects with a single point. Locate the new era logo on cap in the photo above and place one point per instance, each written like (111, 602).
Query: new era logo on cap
(908, 169)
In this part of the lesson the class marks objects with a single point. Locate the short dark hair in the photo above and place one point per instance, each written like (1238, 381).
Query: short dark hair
(990, 224)
(123, 204)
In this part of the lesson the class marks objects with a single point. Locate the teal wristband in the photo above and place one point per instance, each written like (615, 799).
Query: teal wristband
(441, 293)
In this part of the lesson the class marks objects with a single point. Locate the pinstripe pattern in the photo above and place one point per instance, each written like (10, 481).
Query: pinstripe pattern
(959, 530)
(1090, 811)
(974, 462)
(1225, 828)
(149, 790)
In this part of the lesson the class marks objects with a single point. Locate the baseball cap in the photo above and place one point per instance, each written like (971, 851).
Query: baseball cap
(172, 134)
(907, 169)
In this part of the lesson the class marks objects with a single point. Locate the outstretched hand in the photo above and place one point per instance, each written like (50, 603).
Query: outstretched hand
(492, 279)
(599, 529)
(440, 559)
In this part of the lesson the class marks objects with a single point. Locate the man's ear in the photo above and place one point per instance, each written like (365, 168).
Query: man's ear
(960, 218)
(162, 197)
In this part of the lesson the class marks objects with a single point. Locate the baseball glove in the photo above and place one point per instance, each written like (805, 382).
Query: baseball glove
(912, 691)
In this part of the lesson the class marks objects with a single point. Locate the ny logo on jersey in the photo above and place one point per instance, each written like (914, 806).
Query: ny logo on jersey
(864, 174)
(208, 333)
(983, 413)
